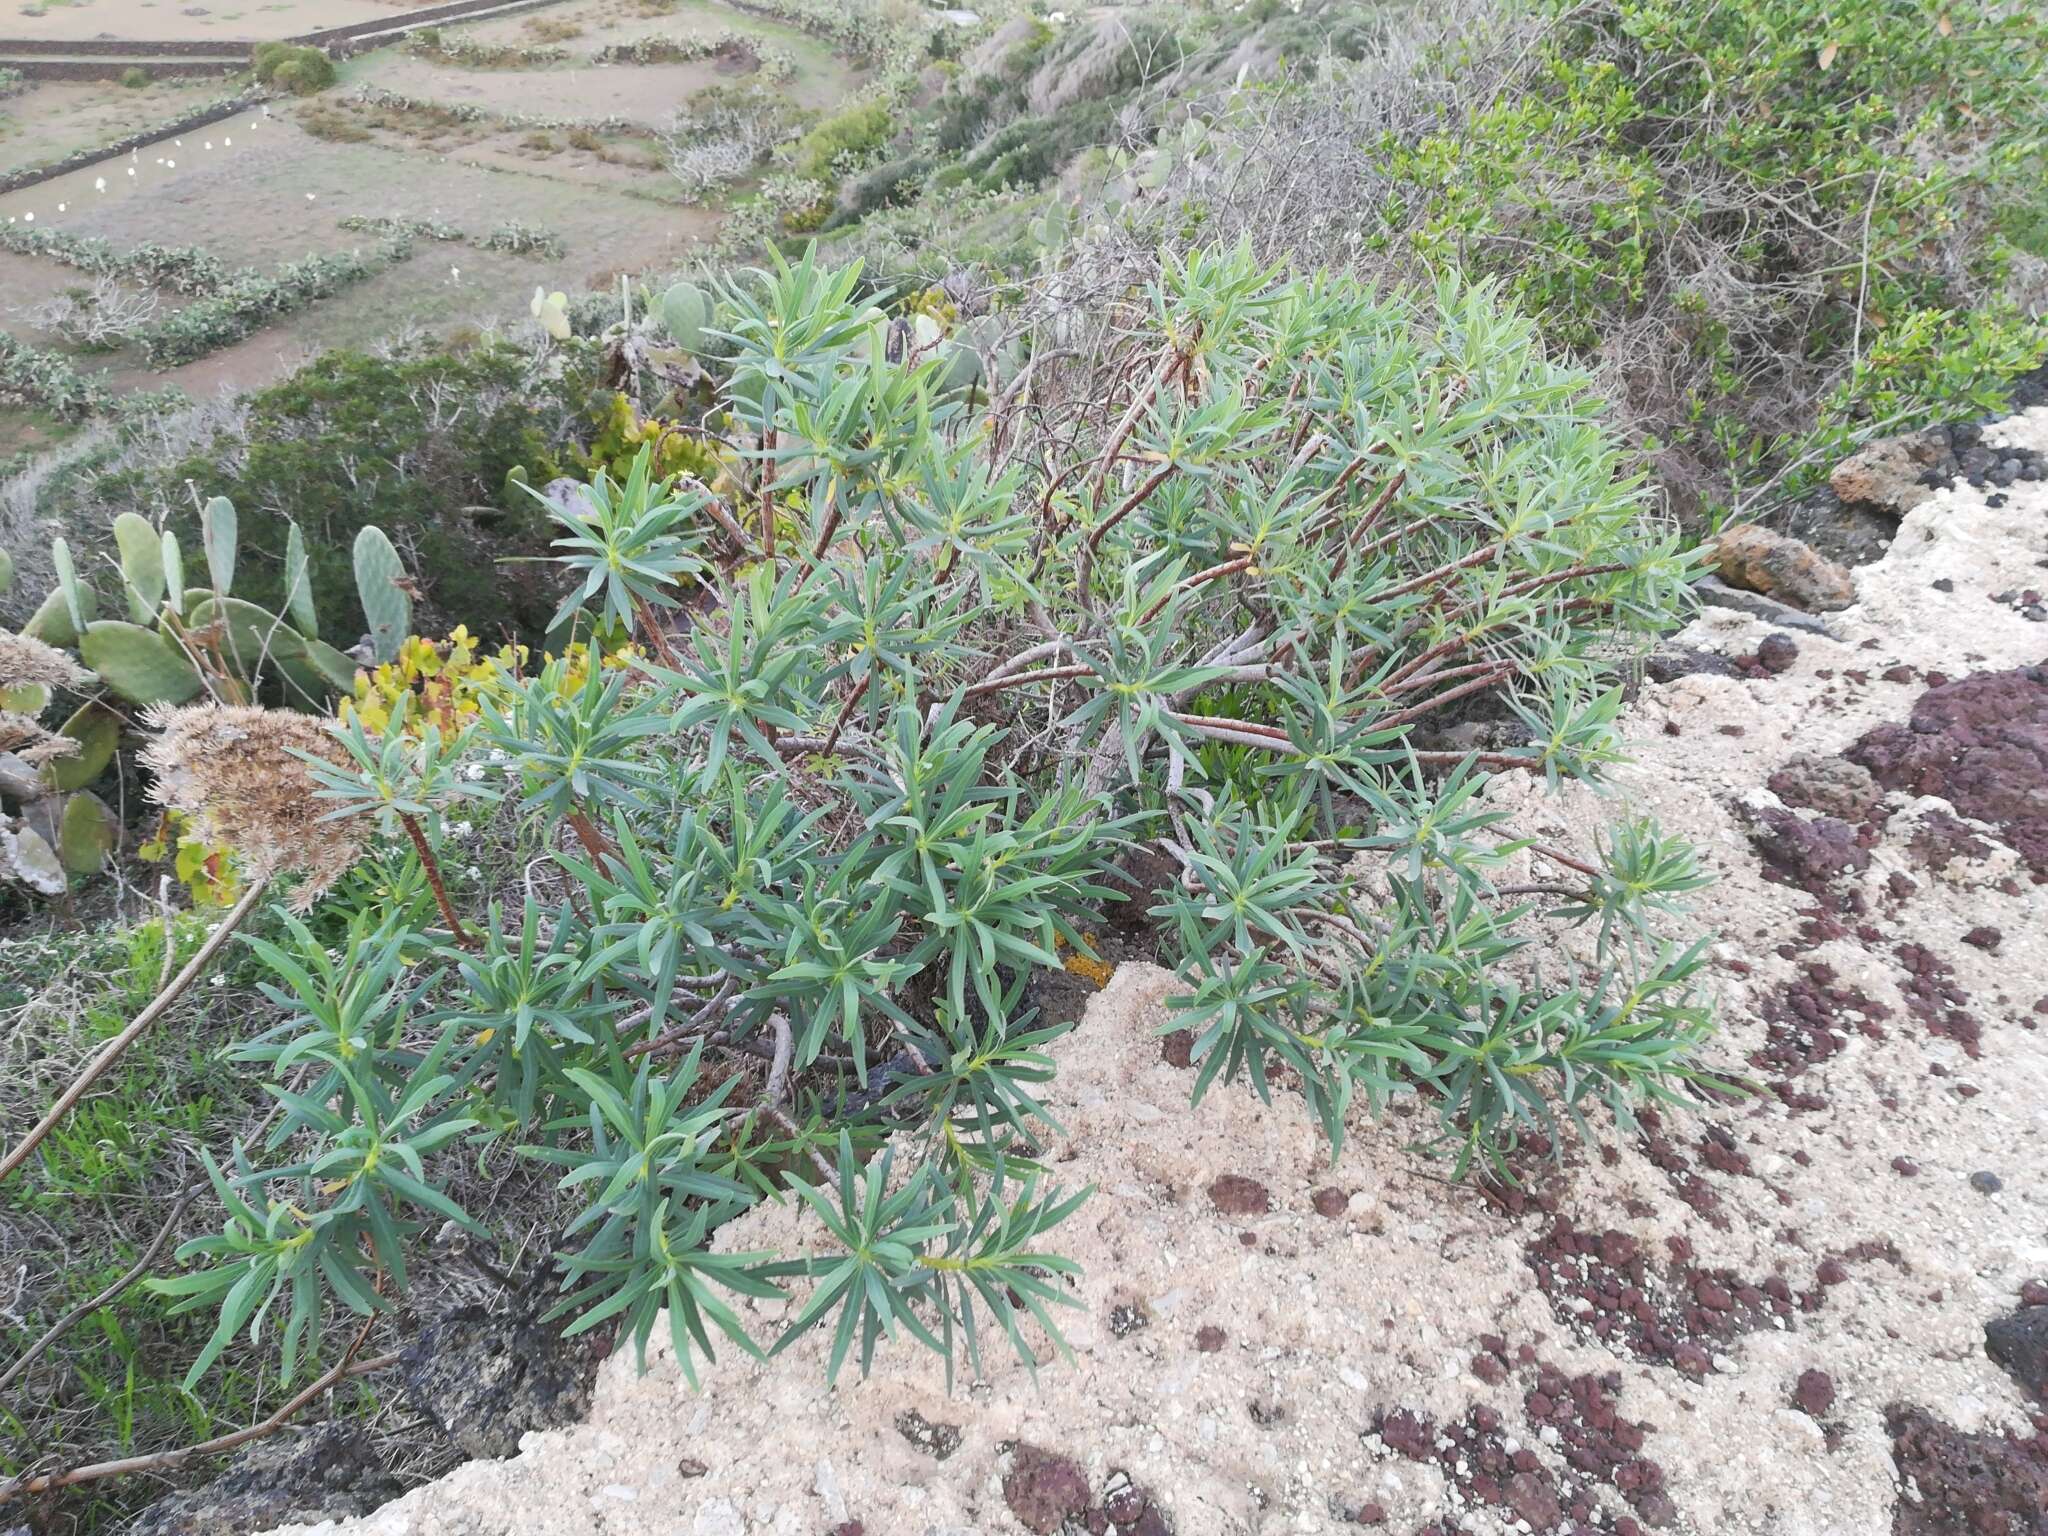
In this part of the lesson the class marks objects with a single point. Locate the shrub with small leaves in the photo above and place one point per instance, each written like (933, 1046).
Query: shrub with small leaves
(898, 707)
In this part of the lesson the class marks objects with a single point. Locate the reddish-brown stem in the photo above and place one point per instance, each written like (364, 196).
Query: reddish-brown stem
(1372, 516)
(846, 712)
(1019, 679)
(1213, 573)
(1409, 685)
(1336, 487)
(1307, 418)
(1167, 364)
(1478, 557)
(1093, 542)
(1530, 584)
(1224, 728)
(1437, 701)
(592, 837)
(724, 519)
(1565, 859)
(1131, 503)
(657, 632)
(433, 868)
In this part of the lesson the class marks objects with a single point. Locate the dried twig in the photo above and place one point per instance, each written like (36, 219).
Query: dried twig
(113, 1050)
(165, 1461)
(135, 1272)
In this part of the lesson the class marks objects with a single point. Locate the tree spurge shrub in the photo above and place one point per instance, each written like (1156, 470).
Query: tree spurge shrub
(898, 710)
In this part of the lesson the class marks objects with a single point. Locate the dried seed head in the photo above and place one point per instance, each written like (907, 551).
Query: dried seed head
(25, 662)
(231, 766)
(49, 750)
(27, 736)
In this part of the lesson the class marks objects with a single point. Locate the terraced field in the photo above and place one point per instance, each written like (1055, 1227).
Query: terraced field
(544, 116)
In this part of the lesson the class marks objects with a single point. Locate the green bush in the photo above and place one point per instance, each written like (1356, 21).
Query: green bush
(302, 70)
(36, 377)
(1027, 151)
(134, 77)
(248, 300)
(828, 825)
(1777, 224)
(352, 440)
(892, 182)
(841, 141)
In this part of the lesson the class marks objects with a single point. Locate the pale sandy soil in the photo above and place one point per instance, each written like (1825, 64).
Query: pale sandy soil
(604, 22)
(172, 20)
(1270, 1372)
(641, 93)
(240, 190)
(266, 192)
(55, 118)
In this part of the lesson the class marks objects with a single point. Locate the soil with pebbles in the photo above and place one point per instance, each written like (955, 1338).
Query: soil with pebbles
(1761, 1318)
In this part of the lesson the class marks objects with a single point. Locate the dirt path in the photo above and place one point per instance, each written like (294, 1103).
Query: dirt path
(1767, 1319)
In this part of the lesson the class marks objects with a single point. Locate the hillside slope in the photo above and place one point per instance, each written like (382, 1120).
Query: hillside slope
(1755, 1319)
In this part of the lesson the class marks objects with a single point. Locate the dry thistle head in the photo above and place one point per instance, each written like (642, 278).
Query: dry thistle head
(25, 662)
(27, 738)
(231, 766)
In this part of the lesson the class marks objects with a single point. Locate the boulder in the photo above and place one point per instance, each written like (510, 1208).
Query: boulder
(1895, 474)
(1758, 560)
(486, 1380)
(2018, 1342)
(296, 1478)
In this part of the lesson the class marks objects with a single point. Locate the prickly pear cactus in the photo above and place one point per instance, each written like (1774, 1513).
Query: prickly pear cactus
(138, 664)
(249, 636)
(174, 572)
(552, 311)
(68, 585)
(218, 529)
(381, 588)
(142, 565)
(51, 623)
(86, 833)
(684, 311)
(298, 584)
(97, 730)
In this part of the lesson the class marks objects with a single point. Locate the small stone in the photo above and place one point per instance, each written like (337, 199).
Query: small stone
(1756, 559)
(1370, 1514)
(2018, 1342)
(1209, 1338)
(1533, 1497)
(1985, 1182)
(1905, 1168)
(1892, 474)
(1044, 1490)
(1236, 1195)
(2034, 1293)
(1814, 1393)
(1330, 1201)
(1984, 937)
(1777, 653)
(1834, 786)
